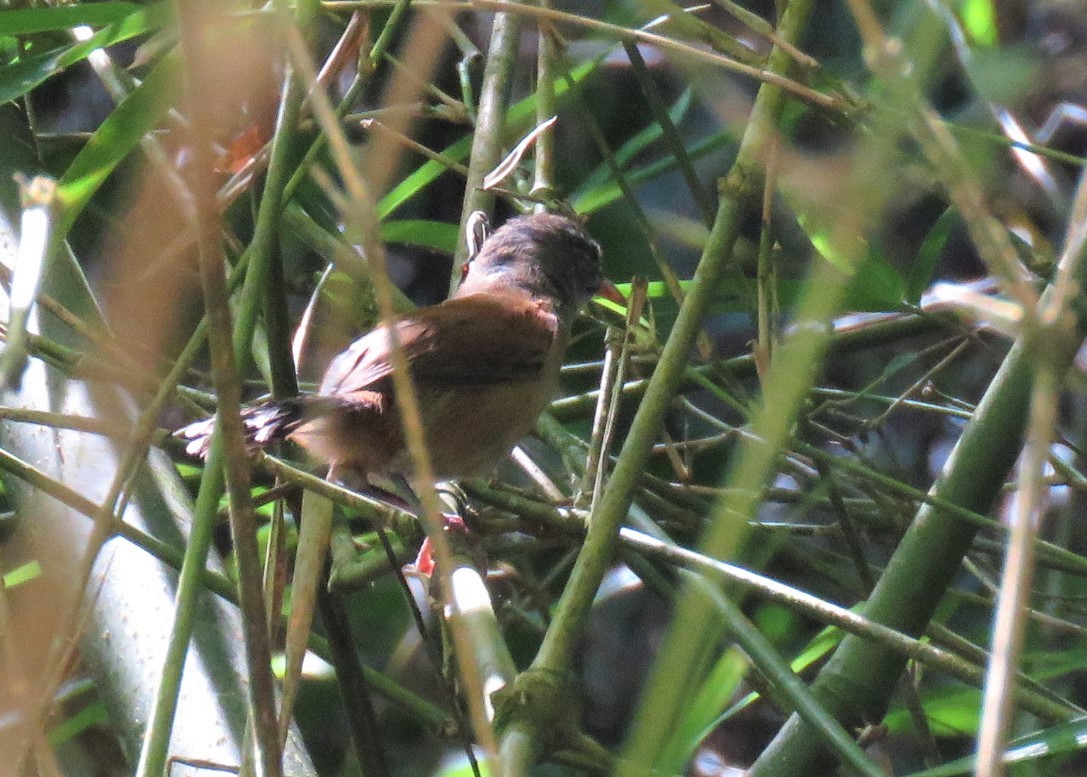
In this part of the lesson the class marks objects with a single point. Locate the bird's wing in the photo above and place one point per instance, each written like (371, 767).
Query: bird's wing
(474, 340)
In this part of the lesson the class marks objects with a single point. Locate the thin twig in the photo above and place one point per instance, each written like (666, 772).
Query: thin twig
(766, 75)
(363, 220)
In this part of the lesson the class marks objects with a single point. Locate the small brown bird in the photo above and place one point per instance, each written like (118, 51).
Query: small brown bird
(485, 363)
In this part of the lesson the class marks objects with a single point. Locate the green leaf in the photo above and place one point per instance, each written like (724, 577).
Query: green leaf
(979, 19)
(426, 174)
(929, 255)
(654, 289)
(1062, 739)
(952, 712)
(602, 176)
(876, 285)
(428, 234)
(821, 645)
(22, 574)
(26, 21)
(20, 77)
(818, 648)
(899, 363)
(115, 138)
(1048, 664)
(593, 199)
(460, 767)
(1003, 75)
(703, 714)
(87, 718)
(519, 119)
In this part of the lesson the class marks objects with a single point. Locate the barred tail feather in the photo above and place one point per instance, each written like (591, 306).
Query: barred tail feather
(264, 423)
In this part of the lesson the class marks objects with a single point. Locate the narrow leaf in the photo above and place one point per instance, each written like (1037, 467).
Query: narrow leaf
(115, 138)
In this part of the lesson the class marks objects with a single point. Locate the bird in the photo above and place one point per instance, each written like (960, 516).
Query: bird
(484, 363)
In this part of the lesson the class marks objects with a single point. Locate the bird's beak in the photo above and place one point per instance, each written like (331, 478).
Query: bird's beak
(610, 292)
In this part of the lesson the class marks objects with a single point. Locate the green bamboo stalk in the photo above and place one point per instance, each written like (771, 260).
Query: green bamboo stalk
(490, 122)
(785, 681)
(857, 682)
(1028, 694)
(362, 218)
(195, 24)
(547, 59)
(362, 718)
(152, 761)
(1051, 326)
(1010, 621)
(266, 273)
(521, 740)
(225, 355)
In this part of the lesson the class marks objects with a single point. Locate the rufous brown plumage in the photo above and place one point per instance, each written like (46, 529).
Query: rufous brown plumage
(485, 363)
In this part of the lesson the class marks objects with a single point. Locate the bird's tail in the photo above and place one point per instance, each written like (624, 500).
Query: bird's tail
(264, 423)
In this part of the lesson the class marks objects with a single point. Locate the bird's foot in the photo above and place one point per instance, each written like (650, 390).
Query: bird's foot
(424, 563)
